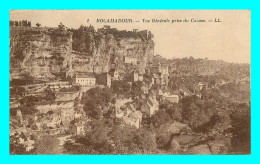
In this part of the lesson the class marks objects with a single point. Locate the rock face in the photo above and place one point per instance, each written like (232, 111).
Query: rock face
(39, 53)
(49, 53)
(175, 146)
(56, 106)
(66, 96)
(200, 150)
(175, 128)
(62, 111)
(101, 52)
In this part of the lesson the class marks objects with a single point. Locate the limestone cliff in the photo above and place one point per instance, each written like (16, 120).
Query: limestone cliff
(39, 53)
(103, 49)
(48, 53)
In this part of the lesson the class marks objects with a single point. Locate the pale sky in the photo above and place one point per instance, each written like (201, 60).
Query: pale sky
(228, 40)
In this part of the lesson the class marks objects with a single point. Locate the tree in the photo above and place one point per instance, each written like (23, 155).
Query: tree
(50, 95)
(11, 23)
(30, 110)
(47, 145)
(241, 131)
(208, 125)
(160, 118)
(91, 29)
(145, 141)
(163, 140)
(17, 91)
(96, 100)
(120, 87)
(195, 112)
(38, 25)
(98, 135)
(129, 140)
(107, 27)
(29, 24)
(150, 35)
(174, 111)
(15, 146)
(61, 26)
(94, 142)
(24, 23)
(136, 89)
(93, 108)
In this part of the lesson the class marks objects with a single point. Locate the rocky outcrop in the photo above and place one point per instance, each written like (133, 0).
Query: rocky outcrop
(66, 96)
(175, 146)
(175, 128)
(200, 150)
(56, 107)
(39, 53)
(60, 112)
(101, 51)
(49, 53)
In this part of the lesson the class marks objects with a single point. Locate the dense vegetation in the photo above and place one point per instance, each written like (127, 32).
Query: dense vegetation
(204, 116)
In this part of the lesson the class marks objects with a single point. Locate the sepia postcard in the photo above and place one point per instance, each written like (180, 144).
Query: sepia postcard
(147, 82)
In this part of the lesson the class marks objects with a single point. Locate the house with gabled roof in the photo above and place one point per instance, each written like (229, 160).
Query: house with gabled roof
(173, 98)
(150, 106)
(202, 85)
(133, 119)
(78, 128)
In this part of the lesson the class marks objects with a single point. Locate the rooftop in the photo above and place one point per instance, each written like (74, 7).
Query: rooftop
(78, 124)
(84, 75)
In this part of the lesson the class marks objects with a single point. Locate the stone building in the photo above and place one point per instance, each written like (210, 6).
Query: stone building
(130, 60)
(133, 119)
(159, 73)
(129, 115)
(84, 79)
(202, 85)
(78, 129)
(150, 106)
(134, 76)
(163, 69)
(114, 74)
(171, 98)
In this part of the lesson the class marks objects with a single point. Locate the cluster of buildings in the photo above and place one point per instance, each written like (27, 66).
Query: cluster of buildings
(77, 126)
(154, 74)
(129, 115)
(159, 74)
(150, 105)
(134, 76)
